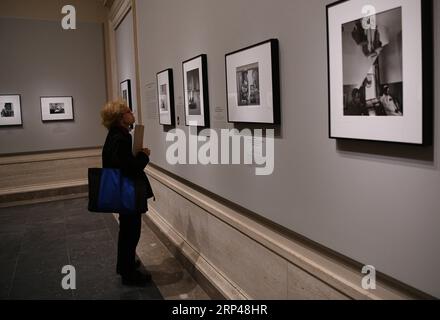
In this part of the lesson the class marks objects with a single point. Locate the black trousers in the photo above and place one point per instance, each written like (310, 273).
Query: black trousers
(129, 235)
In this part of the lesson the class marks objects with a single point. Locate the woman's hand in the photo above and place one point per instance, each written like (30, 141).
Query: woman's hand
(146, 151)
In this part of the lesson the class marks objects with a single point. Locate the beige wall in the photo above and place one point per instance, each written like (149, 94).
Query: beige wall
(87, 10)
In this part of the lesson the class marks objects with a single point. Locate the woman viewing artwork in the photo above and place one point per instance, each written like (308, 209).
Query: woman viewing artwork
(117, 153)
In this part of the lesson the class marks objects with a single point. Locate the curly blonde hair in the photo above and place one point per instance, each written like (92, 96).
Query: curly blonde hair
(112, 112)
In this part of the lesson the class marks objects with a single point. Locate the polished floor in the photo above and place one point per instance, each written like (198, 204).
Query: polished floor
(37, 241)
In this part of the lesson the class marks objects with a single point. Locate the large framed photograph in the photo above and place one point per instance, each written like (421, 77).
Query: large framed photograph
(56, 108)
(195, 87)
(125, 88)
(10, 110)
(252, 84)
(165, 97)
(380, 70)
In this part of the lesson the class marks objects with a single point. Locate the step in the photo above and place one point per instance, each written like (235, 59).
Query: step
(40, 192)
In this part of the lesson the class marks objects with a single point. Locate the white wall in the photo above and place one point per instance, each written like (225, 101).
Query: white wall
(376, 203)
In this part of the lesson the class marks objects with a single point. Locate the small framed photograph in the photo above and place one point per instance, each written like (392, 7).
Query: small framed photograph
(195, 87)
(56, 108)
(165, 97)
(126, 93)
(380, 70)
(253, 85)
(10, 110)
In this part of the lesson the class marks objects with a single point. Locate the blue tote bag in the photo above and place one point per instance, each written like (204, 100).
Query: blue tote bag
(112, 192)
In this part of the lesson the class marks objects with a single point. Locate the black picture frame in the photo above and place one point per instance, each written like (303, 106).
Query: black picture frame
(168, 79)
(255, 114)
(344, 120)
(126, 86)
(202, 119)
(18, 120)
(48, 116)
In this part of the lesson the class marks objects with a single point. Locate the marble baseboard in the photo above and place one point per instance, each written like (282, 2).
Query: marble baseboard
(243, 258)
(227, 263)
(202, 272)
(23, 171)
(30, 178)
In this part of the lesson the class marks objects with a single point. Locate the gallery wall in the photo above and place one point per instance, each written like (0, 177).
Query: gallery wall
(42, 59)
(125, 55)
(376, 203)
(86, 10)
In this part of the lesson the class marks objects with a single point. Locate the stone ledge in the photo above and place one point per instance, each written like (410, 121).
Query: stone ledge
(50, 156)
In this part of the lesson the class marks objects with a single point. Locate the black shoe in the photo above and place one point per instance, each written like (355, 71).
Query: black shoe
(137, 265)
(136, 278)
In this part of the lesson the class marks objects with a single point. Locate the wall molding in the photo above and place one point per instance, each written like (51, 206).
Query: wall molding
(118, 11)
(50, 156)
(336, 272)
(136, 63)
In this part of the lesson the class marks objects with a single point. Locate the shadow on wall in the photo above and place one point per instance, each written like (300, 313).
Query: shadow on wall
(418, 156)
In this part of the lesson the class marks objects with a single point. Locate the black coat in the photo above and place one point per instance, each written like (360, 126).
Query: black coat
(117, 154)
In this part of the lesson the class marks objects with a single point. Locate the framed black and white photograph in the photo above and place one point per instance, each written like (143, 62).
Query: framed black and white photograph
(252, 82)
(165, 97)
(195, 86)
(126, 93)
(380, 70)
(10, 110)
(56, 108)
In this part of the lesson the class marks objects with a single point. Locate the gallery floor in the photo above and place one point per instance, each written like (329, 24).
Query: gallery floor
(37, 240)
